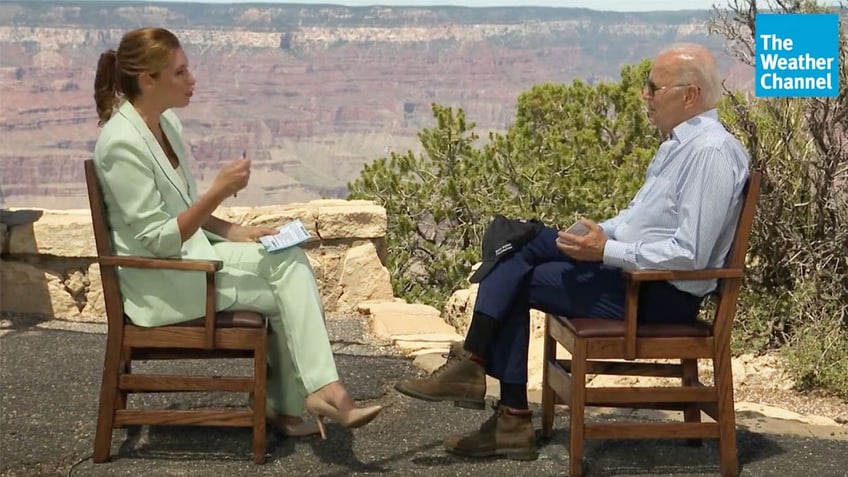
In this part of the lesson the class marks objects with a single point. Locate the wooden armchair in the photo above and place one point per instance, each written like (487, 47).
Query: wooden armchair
(217, 335)
(590, 340)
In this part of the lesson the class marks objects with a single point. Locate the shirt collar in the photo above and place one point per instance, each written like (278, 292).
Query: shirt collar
(691, 126)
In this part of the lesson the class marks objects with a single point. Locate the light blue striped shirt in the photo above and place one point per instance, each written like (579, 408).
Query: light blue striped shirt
(685, 214)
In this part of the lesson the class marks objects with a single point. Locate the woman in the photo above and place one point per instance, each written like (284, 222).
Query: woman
(154, 210)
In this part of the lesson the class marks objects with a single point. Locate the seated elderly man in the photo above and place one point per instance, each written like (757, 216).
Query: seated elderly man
(682, 218)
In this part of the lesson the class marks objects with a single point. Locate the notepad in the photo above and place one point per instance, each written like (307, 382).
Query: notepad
(288, 235)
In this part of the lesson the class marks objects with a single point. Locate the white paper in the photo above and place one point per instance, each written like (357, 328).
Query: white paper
(288, 235)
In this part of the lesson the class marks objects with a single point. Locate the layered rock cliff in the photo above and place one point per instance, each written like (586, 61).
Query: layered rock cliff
(312, 93)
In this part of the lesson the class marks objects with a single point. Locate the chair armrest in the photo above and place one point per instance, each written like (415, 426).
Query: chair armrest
(634, 278)
(656, 275)
(162, 263)
(208, 266)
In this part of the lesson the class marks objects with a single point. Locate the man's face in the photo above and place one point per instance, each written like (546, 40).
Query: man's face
(665, 95)
(174, 85)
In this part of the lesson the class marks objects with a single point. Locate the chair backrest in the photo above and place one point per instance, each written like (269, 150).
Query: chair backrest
(728, 291)
(751, 193)
(103, 243)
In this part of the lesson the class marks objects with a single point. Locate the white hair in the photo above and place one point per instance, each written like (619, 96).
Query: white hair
(698, 67)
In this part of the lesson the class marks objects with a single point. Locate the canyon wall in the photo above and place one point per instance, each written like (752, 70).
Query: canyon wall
(310, 92)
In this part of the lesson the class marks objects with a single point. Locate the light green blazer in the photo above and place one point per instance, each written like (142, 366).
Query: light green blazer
(144, 194)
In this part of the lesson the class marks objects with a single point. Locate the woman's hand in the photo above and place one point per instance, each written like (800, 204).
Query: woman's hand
(240, 233)
(231, 178)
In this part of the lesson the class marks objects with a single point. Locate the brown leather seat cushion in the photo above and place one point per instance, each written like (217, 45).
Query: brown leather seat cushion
(601, 328)
(226, 319)
(231, 319)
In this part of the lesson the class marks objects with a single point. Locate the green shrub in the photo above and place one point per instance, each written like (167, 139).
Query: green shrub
(573, 150)
(796, 296)
(582, 149)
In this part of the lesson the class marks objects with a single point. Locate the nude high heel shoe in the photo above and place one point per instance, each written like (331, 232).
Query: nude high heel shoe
(319, 408)
(300, 429)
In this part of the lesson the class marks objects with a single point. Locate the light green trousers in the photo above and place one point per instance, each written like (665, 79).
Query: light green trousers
(281, 286)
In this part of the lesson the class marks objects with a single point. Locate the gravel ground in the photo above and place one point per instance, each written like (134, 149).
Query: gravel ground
(50, 377)
(804, 403)
(340, 326)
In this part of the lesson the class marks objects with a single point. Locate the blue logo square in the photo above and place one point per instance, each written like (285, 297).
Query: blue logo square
(797, 55)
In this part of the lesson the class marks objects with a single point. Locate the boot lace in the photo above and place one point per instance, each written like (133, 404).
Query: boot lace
(491, 424)
(455, 355)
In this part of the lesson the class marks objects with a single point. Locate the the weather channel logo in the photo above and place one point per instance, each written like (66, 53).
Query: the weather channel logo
(797, 55)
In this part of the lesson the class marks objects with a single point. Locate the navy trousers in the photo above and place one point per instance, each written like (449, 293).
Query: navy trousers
(538, 275)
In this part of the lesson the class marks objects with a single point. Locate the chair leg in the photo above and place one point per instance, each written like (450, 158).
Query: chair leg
(729, 459)
(691, 411)
(125, 368)
(259, 391)
(577, 408)
(108, 398)
(548, 398)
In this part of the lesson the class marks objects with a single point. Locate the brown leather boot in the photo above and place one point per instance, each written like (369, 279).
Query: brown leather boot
(459, 380)
(504, 434)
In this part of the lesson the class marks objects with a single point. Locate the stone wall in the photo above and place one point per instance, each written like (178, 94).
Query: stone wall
(49, 267)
